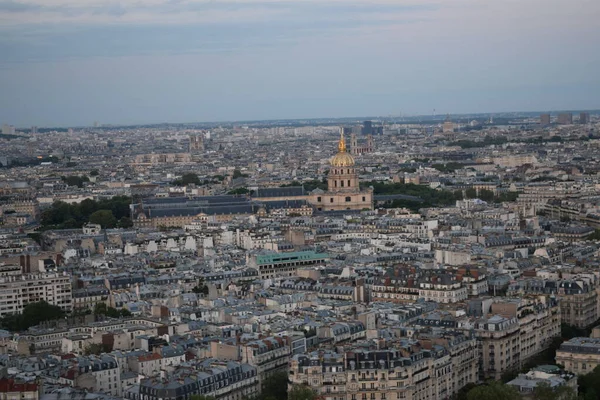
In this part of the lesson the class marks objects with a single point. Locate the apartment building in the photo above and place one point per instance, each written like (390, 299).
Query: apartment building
(437, 286)
(269, 355)
(500, 346)
(210, 378)
(578, 301)
(13, 390)
(284, 264)
(408, 371)
(579, 355)
(18, 291)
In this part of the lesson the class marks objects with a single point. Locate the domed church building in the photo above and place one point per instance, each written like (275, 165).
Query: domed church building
(343, 189)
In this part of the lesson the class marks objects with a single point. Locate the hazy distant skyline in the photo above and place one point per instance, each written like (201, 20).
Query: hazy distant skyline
(73, 62)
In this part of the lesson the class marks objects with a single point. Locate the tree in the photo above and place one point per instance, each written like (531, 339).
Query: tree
(33, 314)
(301, 392)
(589, 384)
(75, 180)
(471, 193)
(463, 391)
(275, 386)
(241, 190)
(494, 391)
(94, 172)
(458, 195)
(125, 222)
(104, 218)
(590, 394)
(186, 179)
(96, 349)
(486, 195)
(103, 309)
(594, 236)
(100, 309)
(237, 174)
(201, 287)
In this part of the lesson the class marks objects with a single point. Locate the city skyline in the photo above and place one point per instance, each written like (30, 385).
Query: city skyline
(70, 63)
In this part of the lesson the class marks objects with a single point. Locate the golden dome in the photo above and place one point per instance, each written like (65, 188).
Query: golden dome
(342, 158)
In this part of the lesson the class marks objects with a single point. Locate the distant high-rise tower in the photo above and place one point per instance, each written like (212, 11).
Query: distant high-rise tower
(545, 119)
(34, 130)
(367, 128)
(196, 144)
(565, 118)
(584, 118)
(8, 129)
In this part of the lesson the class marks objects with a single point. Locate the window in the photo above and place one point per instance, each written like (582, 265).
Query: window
(335, 183)
(364, 198)
(319, 199)
(342, 183)
(349, 183)
(331, 200)
(348, 198)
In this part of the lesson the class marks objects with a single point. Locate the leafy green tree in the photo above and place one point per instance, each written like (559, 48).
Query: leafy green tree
(589, 383)
(187, 179)
(125, 222)
(33, 314)
(486, 195)
(275, 386)
(74, 180)
(494, 391)
(103, 309)
(96, 349)
(238, 174)
(94, 172)
(590, 394)
(100, 309)
(242, 190)
(201, 287)
(458, 194)
(594, 236)
(471, 193)
(301, 392)
(104, 218)
(463, 391)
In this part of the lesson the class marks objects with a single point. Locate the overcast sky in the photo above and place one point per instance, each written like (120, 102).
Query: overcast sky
(73, 62)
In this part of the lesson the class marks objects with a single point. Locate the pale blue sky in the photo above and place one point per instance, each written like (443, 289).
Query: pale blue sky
(73, 62)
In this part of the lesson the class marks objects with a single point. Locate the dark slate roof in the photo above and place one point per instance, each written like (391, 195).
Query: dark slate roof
(247, 208)
(280, 192)
(387, 197)
(276, 204)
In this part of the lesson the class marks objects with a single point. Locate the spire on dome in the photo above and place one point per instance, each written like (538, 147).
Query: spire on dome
(342, 143)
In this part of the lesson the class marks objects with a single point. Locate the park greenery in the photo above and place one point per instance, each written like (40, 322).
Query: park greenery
(33, 314)
(201, 287)
(309, 186)
(191, 178)
(111, 312)
(75, 180)
(241, 190)
(109, 213)
(594, 236)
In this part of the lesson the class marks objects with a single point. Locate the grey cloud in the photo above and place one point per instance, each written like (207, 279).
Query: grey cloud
(14, 6)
